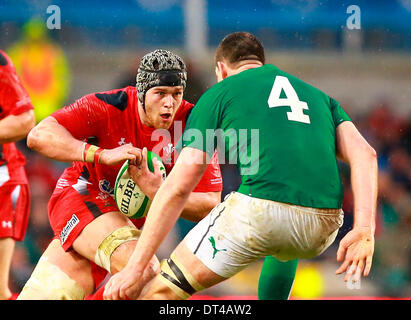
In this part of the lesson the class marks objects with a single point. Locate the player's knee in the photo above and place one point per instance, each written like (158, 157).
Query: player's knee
(49, 282)
(115, 250)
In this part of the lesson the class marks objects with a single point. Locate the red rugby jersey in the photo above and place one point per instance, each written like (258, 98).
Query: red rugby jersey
(14, 100)
(110, 119)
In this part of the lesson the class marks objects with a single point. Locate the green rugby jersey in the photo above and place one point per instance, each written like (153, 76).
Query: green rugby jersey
(278, 130)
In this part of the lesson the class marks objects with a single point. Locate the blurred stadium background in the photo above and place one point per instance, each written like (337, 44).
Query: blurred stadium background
(97, 44)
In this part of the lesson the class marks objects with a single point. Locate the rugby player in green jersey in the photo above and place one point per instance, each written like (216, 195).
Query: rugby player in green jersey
(285, 137)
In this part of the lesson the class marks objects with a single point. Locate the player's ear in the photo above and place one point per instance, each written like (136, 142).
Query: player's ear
(221, 71)
(217, 69)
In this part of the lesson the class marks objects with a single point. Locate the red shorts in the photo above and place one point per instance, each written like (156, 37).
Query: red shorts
(71, 208)
(14, 210)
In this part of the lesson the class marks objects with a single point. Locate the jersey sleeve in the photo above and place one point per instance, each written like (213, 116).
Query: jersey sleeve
(211, 180)
(338, 113)
(83, 117)
(14, 99)
(203, 122)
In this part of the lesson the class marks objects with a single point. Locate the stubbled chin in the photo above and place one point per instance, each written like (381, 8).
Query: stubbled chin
(163, 125)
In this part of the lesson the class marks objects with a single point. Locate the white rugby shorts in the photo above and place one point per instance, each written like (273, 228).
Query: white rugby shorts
(243, 229)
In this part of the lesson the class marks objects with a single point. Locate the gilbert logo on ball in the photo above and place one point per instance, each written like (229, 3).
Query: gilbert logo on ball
(130, 200)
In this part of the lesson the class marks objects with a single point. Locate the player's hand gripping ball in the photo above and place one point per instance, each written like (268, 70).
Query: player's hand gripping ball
(130, 200)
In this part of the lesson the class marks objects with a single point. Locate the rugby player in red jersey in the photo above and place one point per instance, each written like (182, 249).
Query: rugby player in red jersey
(98, 133)
(16, 120)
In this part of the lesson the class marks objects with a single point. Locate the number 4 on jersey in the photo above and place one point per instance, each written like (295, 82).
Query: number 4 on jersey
(296, 114)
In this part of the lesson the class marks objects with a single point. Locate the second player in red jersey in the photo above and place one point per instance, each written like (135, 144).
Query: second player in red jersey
(98, 133)
(16, 120)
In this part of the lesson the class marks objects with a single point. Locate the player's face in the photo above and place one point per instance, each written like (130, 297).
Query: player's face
(162, 104)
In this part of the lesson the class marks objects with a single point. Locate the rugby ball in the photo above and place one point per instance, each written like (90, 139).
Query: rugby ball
(130, 200)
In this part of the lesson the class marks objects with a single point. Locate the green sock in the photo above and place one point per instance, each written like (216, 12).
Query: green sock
(276, 279)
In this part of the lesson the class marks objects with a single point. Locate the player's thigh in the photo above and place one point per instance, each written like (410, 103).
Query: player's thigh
(6, 253)
(204, 275)
(111, 235)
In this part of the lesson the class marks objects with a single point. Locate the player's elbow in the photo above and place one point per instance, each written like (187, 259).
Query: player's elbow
(213, 199)
(27, 122)
(362, 153)
(373, 153)
(200, 205)
(370, 153)
(37, 137)
(365, 158)
(32, 138)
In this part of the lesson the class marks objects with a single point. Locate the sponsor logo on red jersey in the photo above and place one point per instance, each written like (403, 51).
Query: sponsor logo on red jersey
(68, 228)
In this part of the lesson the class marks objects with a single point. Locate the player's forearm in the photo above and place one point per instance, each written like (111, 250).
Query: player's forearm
(364, 176)
(14, 128)
(164, 212)
(52, 140)
(199, 204)
(167, 205)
